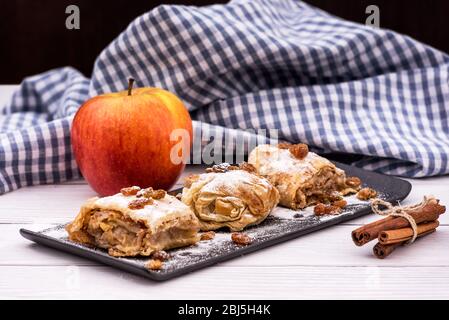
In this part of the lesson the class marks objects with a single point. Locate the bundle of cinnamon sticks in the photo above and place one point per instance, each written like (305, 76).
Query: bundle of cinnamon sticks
(393, 232)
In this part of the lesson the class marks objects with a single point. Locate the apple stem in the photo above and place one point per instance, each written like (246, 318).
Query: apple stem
(130, 86)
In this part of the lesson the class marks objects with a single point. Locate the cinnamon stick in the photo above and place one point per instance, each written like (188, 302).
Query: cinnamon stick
(405, 234)
(382, 251)
(429, 212)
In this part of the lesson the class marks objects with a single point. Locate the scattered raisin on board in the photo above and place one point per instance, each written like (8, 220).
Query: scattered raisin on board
(353, 182)
(322, 209)
(319, 209)
(130, 191)
(366, 194)
(241, 238)
(154, 264)
(332, 209)
(209, 235)
(160, 255)
(340, 203)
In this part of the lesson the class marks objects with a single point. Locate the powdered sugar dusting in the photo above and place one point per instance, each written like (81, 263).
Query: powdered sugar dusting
(152, 213)
(281, 222)
(269, 159)
(230, 179)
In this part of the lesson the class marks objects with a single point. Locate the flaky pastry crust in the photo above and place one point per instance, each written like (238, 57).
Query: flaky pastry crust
(301, 181)
(234, 199)
(124, 229)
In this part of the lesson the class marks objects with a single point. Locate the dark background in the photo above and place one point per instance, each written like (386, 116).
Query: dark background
(33, 37)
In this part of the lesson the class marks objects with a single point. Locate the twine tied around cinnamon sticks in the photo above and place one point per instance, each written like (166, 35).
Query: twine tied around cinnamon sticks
(402, 225)
(398, 211)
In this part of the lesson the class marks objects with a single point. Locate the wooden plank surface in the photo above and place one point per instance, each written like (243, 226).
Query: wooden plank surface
(325, 264)
(335, 249)
(228, 282)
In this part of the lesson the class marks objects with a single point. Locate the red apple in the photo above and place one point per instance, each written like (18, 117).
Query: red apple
(123, 139)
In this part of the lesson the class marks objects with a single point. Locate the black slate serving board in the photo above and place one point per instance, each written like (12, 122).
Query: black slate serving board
(282, 225)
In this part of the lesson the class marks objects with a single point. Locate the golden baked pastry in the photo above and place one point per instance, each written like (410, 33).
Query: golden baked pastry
(135, 222)
(229, 197)
(302, 178)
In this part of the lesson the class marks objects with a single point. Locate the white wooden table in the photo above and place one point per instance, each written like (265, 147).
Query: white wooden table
(325, 264)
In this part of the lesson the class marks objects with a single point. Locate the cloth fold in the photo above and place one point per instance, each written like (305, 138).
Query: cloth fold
(251, 65)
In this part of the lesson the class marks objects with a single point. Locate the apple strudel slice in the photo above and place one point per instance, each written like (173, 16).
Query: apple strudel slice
(135, 222)
(302, 178)
(229, 196)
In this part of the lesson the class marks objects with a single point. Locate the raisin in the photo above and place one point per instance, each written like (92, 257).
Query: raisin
(154, 264)
(320, 209)
(130, 191)
(340, 203)
(331, 209)
(139, 203)
(158, 194)
(353, 182)
(146, 193)
(241, 238)
(299, 151)
(366, 194)
(207, 235)
(160, 255)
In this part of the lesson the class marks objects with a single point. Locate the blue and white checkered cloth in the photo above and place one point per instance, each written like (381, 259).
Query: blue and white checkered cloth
(259, 64)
